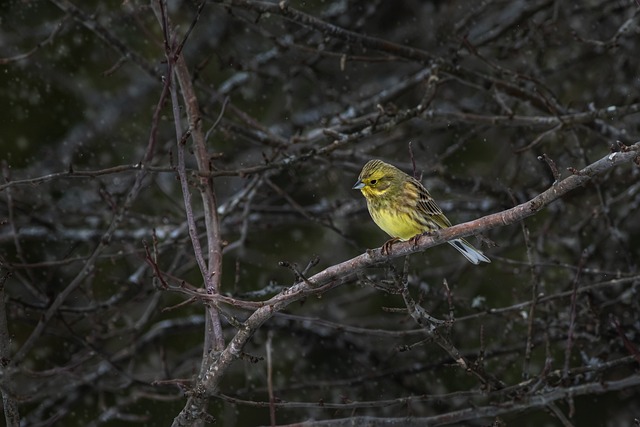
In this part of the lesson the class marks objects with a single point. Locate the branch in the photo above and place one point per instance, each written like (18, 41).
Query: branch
(489, 411)
(211, 272)
(517, 213)
(89, 266)
(336, 275)
(9, 402)
(92, 24)
(282, 8)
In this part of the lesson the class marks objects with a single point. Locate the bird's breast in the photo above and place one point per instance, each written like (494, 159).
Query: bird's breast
(394, 221)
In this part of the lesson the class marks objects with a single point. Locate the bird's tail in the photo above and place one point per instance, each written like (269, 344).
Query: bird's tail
(472, 254)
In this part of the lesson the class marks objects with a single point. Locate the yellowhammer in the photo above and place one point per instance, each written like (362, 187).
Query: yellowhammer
(403, 208)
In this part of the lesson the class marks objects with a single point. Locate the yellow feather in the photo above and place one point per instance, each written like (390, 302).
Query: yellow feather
(403, 208)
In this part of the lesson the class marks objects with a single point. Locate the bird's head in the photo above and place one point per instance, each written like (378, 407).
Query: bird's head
(376, 178)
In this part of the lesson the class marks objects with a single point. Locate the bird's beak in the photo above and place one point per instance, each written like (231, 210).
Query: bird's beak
(358, 186)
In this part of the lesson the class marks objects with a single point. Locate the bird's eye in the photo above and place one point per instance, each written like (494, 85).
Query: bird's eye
(373, 181)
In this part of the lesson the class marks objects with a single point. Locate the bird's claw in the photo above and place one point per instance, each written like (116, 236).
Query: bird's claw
(386, 248)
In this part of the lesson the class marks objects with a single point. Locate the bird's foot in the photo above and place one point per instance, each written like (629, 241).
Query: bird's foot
(386, 248)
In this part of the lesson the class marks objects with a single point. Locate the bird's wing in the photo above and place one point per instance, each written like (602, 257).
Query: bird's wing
(429, 207)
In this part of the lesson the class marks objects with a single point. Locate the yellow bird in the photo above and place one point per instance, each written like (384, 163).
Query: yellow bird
(403, 208)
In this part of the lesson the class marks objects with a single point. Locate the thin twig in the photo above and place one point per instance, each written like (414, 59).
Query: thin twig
(572, 317)
(272, 399)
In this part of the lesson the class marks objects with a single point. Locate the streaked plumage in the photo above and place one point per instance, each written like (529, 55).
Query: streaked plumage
(403, 208)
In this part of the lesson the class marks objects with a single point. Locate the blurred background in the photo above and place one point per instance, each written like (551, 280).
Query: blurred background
(294, 101)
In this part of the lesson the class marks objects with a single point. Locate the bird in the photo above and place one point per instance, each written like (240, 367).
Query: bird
(403, 208)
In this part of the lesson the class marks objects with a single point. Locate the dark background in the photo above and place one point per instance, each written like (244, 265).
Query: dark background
(293, 105)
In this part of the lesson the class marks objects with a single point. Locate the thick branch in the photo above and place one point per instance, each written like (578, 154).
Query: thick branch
(338, 274)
